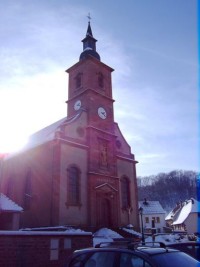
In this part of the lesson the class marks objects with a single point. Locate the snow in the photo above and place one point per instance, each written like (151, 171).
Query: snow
(44, 233)
(87, 48)
(8, 205)
(132, 232)
(187, 208)
(167, 238)
(183, 214)
(151, 207)
(107, 235)
(103, 235)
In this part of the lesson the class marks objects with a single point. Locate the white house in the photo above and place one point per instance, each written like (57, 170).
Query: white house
(185, 217)
(152, 215)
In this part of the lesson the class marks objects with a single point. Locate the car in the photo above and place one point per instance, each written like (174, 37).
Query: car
(131, 255)
(191, 248)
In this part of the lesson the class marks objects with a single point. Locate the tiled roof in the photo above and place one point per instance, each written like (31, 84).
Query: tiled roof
(8, 205)
(151, 207)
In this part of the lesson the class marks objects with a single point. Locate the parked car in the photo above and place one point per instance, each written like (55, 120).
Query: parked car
(131, 256)
(191, 248)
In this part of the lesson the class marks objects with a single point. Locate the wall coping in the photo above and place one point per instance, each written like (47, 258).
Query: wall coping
(44, 233)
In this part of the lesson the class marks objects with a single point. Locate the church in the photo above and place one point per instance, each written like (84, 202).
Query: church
(80, 170)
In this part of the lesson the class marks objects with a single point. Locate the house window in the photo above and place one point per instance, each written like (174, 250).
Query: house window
(27, 191)
(73, 184)
(125, 193)
(146, 219)
(157, 219)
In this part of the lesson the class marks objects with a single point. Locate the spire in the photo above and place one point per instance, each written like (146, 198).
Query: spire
(89, 30)
(89, 44)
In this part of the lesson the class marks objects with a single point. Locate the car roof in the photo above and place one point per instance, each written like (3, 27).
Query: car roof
(139, 250)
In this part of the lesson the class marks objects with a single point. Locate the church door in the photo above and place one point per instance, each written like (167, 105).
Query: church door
(105, 213)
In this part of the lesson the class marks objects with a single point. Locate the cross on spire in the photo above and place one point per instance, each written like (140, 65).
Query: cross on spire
(89, 18)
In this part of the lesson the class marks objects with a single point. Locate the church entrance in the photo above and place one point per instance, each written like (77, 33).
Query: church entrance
(104, 213)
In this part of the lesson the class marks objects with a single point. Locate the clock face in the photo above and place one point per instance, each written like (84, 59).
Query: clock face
(77, 105)
(102, 113)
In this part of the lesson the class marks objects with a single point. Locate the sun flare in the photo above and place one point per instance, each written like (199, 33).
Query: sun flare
(10, 144)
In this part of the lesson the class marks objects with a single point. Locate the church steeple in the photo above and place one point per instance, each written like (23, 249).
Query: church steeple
(89, 45)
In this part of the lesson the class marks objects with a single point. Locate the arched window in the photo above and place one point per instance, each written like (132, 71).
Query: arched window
(78, 80)
(100, 80)
(73, 184)
(125, 192)
(27, 190)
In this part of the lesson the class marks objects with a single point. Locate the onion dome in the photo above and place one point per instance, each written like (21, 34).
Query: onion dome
(89, 45)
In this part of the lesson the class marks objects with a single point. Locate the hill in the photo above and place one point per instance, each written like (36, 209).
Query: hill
(169, 188)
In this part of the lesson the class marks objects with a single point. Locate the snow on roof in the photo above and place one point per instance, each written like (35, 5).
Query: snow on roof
(151, 207)
(46, 233)
(187, 207)
(104, 235)
(8, 205)
(131, 231)
(105, 232)
(54, 230)
(169, 216)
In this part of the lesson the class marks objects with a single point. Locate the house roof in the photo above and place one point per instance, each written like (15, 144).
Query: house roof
(187, 207)
(151, 207)
(8, 205)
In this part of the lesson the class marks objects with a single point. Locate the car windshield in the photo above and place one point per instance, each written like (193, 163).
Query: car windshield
(175, 259)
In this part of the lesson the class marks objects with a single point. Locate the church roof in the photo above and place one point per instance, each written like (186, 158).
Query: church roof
(8, 205)
(46, 134)
(50, 132)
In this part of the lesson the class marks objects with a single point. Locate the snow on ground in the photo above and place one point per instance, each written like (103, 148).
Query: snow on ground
(107, 235)
(167, 238)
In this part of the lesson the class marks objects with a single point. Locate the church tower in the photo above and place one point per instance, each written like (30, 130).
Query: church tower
(111, 174)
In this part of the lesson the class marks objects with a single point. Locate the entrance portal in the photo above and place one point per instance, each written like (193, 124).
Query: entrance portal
(105, 213)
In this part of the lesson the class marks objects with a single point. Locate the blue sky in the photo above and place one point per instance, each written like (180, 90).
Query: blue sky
(152, 45)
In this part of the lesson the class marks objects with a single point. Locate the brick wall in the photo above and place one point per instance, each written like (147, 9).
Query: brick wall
(39, 249)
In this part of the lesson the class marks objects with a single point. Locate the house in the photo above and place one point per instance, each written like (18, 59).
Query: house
(79, 171)
(152, 216)
(185, 217)
(9, 213)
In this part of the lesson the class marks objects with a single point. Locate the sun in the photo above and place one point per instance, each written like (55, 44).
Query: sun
(11, 144)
